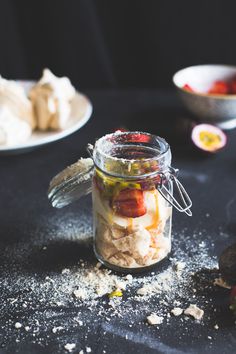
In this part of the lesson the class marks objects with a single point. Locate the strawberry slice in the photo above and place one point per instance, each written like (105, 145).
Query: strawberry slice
(129, 203)
(220, 87)
(139, 138)
(188, 88)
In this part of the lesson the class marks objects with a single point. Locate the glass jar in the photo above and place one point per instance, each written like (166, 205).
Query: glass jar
(132, 191)
(132, 220)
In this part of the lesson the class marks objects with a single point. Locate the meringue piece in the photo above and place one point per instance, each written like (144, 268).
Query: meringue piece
(154, 319)
(13, 96)
(122, 260)
(51, 98)
(102, 207)
(104, 240)
(13, 130)
(194, 311)
(137, 243)
(177, 311)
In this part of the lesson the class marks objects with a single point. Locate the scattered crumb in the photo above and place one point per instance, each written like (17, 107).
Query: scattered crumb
(155, 293)
(142, 291)
(220, 282)
(209, 337)
(194, 311)
(177, 303)
(120, 284)
(80, 294)
(179, 266)
(69, 347)
(80, 323)
(216, 326)
(81, 352)
(177, 311)
(18, 325)
(65, 271)
(56, 329)
(88, 350)
(154, 319)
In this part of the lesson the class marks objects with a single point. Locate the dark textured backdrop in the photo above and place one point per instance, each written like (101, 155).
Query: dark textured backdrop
(114, 43)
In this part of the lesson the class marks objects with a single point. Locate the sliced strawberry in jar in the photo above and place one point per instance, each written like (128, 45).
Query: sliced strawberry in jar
(129, 203)
(220, 87)
(139, 137)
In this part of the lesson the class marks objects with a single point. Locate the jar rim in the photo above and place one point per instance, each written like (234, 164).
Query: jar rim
(99, 144)
(153, 145)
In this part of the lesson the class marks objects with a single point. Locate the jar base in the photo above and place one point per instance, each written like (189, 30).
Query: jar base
(159, 266)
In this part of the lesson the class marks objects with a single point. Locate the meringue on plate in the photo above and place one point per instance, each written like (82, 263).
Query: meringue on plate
(13, 130)
(51, 98)
(13, 96)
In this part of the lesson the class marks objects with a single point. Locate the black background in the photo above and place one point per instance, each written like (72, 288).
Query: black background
(114, 43)
(108, 44)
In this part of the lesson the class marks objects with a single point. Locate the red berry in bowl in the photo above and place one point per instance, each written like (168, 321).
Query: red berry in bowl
(220, 88)
(233, 87)
(188, 88)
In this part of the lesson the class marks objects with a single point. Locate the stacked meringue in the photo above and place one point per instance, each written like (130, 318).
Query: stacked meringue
(51, 98)
(48, 106)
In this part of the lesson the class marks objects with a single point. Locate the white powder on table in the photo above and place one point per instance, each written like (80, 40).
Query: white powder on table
(49, 297)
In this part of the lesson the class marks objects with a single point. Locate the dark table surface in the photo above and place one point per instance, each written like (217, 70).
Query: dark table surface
(29, 225)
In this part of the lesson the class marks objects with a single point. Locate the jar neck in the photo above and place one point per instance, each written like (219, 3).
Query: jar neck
(132, 155)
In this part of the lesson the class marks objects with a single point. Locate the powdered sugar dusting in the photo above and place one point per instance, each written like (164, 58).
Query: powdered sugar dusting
(74, 293)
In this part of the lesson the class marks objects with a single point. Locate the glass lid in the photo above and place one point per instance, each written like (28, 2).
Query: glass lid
(71, 183)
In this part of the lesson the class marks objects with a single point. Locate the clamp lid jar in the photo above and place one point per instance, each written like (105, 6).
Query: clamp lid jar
(132, 181)
(132, 200)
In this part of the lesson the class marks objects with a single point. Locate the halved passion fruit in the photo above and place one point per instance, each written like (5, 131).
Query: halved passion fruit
(208, 137)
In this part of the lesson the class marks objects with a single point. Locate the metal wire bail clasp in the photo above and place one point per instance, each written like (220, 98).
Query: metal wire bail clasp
(184, 197)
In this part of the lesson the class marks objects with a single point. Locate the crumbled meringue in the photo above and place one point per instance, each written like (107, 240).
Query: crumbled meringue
(13, 130)
(13, 96)
(51, 98)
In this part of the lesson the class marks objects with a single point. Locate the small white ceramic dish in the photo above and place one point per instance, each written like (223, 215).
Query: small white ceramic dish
(81, 110)
(216, 109)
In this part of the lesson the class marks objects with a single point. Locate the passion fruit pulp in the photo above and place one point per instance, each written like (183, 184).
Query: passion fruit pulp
(208, 137)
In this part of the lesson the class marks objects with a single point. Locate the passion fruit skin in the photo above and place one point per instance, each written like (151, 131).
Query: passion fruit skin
(227, 265)
(211, 132)
(233, 300)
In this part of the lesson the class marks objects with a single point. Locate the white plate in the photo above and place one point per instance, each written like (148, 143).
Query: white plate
(81, 110)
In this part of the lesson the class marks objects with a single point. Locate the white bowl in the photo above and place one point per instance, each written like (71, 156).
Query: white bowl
(216, 109)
